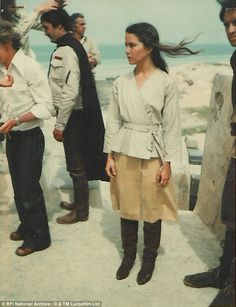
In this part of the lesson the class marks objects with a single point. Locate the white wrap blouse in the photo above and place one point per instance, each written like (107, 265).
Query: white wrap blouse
(144, 122)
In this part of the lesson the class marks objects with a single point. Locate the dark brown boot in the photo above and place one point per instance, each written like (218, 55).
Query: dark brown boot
(67, 206)
(71, 218)
(18, 234)
(152, 236)
(129, 236)
(80, 212)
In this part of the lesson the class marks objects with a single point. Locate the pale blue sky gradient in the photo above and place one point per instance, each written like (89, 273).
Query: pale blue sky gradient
(107, 19)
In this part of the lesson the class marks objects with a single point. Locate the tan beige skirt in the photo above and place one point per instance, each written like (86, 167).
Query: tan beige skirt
(135, 193)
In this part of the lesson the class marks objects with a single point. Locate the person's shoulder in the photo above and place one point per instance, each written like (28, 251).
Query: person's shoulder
(64, 49)
(22, 57)
(31, 62)
(127, 76)
(89, 38)
(124, 78)
(165, 77)
(26, 64)
(162, 74)
(65, 52)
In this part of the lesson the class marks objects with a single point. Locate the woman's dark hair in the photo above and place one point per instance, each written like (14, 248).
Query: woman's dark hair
(57, 18)
(7, 34)
(148, 35)
(226, 4)
(8, 11)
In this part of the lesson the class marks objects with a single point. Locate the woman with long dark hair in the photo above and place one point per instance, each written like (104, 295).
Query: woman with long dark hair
(143, 137)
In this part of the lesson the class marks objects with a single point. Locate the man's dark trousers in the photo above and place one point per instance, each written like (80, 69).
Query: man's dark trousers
(24, 151)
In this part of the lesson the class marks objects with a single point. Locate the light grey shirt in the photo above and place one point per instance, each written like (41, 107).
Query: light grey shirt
(30, 91)
(64, 80)
(91, 48)
(144, 122)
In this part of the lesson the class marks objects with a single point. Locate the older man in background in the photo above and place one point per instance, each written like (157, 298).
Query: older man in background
(78, 28)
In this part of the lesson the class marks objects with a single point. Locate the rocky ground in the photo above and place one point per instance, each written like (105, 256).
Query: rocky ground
(82, 261)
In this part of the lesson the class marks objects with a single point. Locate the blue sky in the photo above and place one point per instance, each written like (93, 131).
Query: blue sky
(107, 19)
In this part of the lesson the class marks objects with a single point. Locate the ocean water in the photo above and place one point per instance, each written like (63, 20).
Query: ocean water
(114, 60)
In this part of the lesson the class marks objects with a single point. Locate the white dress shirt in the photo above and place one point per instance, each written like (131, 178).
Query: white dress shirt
(30, 91)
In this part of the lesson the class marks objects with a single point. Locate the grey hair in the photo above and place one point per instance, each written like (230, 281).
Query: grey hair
(8, 34)
(74, 16)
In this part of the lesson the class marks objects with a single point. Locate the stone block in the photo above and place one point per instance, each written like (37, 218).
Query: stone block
(217, 149)
(181, 179)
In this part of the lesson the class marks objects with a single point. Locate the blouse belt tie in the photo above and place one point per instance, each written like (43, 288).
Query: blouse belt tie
(154, 135)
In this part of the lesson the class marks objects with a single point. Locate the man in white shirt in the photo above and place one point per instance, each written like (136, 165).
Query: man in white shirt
(78, 28)
(24, 105)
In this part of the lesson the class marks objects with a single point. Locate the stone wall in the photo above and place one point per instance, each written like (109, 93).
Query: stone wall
(218, 145)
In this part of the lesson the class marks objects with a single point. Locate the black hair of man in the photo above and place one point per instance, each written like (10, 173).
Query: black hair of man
(225, 5)
(57, 18)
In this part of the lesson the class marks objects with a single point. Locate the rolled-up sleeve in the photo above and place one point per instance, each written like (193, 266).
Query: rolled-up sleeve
(41, 94)
(171, 124)
(28, 22)
(114, 121)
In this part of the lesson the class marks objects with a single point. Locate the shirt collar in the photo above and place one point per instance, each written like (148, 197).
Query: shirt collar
(18, 60)
(83, 39)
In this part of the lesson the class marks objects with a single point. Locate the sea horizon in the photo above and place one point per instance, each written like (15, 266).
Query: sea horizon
(114, 62)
